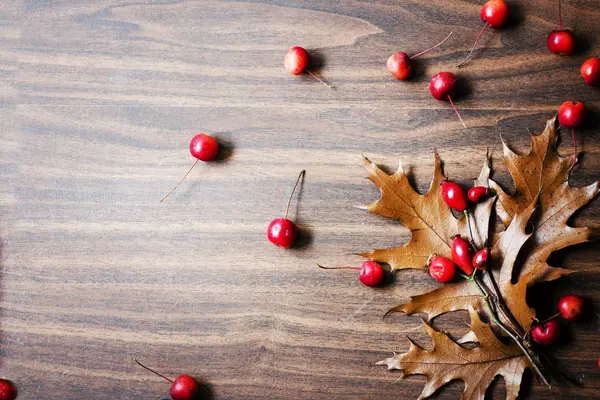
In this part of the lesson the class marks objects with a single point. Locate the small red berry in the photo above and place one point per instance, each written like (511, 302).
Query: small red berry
(442, 269)
(443, 85)
(495, 13)
(477, 193)
(184, 388)
(561, 42)
(481, 258)
(399, 65)
(454, 196)
(282, 232)
(371, 273)
(590, 70)
(571, 114)
(571, 307)
(204, 148)
(462, 254)
(296, 60)
(546, 333)
(7, 390)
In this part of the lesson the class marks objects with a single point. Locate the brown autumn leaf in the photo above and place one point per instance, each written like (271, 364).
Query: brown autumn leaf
(476, 367)
(544, 171)
(429, 219)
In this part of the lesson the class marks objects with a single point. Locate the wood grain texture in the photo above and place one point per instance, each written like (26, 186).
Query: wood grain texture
(99, 101)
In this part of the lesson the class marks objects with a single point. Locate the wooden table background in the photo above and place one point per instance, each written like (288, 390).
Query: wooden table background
(99, 101)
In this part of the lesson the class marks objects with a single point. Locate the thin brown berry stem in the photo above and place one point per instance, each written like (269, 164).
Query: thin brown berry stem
(287, 209)
(540, 323)
(322, 267)
(431, 48)
(474, 44)
(560, 25)
(153, 371)
(182, 179)
(319, 79)
(456, 111)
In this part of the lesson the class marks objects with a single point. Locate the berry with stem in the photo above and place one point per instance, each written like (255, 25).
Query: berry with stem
(571, 307)
(282, 232)
(477, 194)
(454, 196)
(442, 86)
(481, 258)
(441, 269)
(203, 148)
(8, 391)
(184, 387)
(561, 41)
(371, 273)
(399, 63)
(296, 61)
(495, 15)
(571, 114)
(546, 333)
(462, 254)
(590, 71)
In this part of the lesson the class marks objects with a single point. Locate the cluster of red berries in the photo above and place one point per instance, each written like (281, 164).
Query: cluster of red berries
(571, 308)
(443, 269)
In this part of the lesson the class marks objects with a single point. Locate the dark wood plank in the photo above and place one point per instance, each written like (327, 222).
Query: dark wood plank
(99, 101)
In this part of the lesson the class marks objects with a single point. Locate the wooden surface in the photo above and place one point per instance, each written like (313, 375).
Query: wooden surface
(99, 101)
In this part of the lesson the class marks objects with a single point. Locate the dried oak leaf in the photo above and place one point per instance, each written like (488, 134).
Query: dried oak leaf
(429, 219)
(476, 367)
(545, 172)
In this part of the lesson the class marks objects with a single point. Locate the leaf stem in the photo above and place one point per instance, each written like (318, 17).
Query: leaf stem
(344, 267)
(535, 363)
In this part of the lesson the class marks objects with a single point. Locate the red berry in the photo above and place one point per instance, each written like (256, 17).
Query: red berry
(454, 196)
(184, 388)
(495, 13)
(296, 60)
(442, 269)
(462, 254)
(7, 390)
(481, 258)
(281, 231)
(590, 70)
(571, 114)
(399, 65)
(546, 333)
(571, 307)
(477, 193)
(561, 42)
(443, 85)
(371, 273)
(204, 147)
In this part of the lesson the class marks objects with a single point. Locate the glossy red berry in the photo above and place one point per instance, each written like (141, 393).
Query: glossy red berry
(443, 85)
(399, 65)
(481, 258)
(204, 147)
(442, 269)
(571, 307)
(546, 333)
(184, 388)
(561, 42)
(454, 196)
(371, 273)
(571, 114)
(282, 232)
(462, 254)
(296, 60)
(477, 194)
(590, 71)
(7, 390)
(495, 13)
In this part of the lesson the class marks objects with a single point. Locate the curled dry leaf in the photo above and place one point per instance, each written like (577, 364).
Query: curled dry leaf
(476, 367)
(429, 219)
